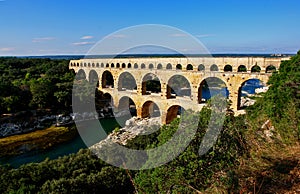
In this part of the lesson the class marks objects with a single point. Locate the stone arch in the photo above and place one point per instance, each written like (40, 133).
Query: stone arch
(84, 64)
(143, 66)
(136, 66)
(102, 64)
(159, 66)
(93, 77)
(242, 68)
(151, 66)
(150, 109)
(107, 80)
(81, 75)
(93, 64)
(228, 68)
(150, 84)
(178, 67)
(210, 87)
(178, 85)
(201, 67)
(126, 81)
(189, 67)
(112, 65)
(89, 65)
(214, 67)
(248, 87)
(270, 69)
(77, 64)
(118, 65)
(127, 105)
(169, 66)
(255, 69)
(129, 65)
(123, 65)
(173, 112)
(97, 65)
(107, 65)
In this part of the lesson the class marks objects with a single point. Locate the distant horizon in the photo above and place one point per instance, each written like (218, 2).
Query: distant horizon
(40, 28)
(151, 54)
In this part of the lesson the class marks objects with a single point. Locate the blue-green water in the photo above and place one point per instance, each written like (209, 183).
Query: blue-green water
(63, 149)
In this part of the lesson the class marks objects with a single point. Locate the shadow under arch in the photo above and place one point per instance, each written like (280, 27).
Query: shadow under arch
(173, 112)
(227, 68)
(270, 69)
(126, 81)
(108, 105)
(150, 109)
(93, 78)
(127, 106)
(255, 69)
(150, 84)
(107, 80)
(178, 85)
(80, 75)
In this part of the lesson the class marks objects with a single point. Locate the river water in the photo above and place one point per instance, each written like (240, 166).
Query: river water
(108, 124)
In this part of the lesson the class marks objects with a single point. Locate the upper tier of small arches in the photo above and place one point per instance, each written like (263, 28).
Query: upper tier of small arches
(188, 67)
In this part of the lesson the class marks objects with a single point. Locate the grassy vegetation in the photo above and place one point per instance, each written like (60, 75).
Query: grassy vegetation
(40, 139)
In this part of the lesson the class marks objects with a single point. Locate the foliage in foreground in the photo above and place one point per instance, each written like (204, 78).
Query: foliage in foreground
(77, 173)
(190, 172)
(219, 170)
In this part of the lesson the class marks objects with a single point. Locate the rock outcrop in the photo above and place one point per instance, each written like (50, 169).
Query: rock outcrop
(133, 127)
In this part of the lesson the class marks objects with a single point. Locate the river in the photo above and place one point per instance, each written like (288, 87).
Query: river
(108, 124)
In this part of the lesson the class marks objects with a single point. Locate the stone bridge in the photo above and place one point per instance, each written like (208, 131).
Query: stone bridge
(179, 81)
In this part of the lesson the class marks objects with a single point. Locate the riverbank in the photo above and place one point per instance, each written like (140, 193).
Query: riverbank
(36, 140)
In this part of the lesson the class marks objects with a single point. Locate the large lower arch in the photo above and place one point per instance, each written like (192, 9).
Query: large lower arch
(150, 110)
(247, 89)
(81, 75)
(210, 87)
(178, 85)
(127, 106)
(93, 77)
(173, 113)
(150, 84)
(126, 81)
(107, 80)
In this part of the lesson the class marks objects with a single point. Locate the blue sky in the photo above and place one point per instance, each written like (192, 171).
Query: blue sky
(48, 27)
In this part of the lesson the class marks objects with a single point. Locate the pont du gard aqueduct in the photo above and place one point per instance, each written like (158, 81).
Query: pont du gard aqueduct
(177, 82)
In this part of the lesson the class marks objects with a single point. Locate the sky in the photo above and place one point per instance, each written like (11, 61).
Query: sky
(73, 27)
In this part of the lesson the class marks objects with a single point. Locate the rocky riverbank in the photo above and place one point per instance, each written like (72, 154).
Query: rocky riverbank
(133, 127)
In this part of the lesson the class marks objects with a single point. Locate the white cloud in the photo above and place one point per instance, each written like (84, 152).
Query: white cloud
(82, 43)
(7, 49)
(86, 37)
(43, 39)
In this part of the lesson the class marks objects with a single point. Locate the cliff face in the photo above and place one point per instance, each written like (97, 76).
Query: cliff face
(133, 127)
